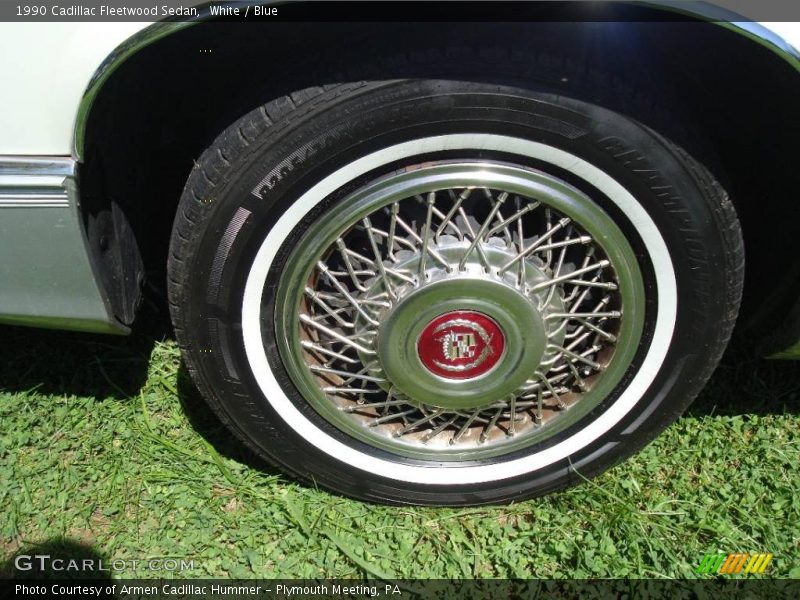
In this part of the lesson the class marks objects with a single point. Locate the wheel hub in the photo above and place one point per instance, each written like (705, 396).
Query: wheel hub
(462, 344)
(460, 334)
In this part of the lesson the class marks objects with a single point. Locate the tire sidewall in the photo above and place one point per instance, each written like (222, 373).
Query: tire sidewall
(279, 169)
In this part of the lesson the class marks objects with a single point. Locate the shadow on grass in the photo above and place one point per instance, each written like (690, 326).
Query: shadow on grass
(69, 363)
(57, 558)
(64, 363)
(745, 384)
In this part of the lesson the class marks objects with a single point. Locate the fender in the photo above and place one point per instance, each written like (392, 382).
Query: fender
(35, 121)
(763, 34)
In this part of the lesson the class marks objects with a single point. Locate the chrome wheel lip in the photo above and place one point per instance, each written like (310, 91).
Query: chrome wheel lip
(527, 182)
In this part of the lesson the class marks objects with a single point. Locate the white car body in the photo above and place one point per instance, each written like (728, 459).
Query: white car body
(45, 69)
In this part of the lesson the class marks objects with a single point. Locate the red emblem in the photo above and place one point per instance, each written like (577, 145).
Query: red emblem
(461, 344)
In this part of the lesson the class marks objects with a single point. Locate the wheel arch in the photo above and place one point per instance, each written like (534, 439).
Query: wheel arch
(166, 93)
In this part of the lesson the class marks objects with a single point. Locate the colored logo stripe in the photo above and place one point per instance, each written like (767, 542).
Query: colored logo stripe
(758, 563)
(733, 564)
(711, 563)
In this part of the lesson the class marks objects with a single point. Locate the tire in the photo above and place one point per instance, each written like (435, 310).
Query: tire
(266, 202)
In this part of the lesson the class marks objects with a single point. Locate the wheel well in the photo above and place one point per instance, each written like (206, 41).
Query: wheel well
(162, 107)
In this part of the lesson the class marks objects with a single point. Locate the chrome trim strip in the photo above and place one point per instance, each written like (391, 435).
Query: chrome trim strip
(27, 182)
(41, 202)
(47, 278)
(37, 166)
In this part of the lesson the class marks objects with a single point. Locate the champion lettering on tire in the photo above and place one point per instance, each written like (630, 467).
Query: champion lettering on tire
(437, 291)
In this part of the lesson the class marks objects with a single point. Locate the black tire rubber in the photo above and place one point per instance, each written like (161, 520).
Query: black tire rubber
(292, 142)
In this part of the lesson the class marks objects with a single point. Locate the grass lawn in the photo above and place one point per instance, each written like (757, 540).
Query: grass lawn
(104, 444)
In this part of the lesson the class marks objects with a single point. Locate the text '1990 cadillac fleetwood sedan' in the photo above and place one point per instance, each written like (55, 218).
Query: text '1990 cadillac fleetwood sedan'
(444, 258)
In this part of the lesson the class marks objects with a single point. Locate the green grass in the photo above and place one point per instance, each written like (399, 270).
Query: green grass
(105, 445)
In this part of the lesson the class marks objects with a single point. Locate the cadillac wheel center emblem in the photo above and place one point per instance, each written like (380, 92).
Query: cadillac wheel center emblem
(461, 345)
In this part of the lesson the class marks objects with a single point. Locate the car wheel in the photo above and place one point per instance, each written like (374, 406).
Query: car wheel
(449, 292)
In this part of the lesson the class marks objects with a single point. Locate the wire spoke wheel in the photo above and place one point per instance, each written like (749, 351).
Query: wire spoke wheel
(459, 310)
(448, 291)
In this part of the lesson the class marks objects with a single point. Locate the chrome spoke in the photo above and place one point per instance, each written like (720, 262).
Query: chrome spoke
(317, 348)
(446, 221)
(378, 261)
(336, 336)
(599, 265)
(515, 218)
(426, 234)
(482, 231)
(536, 245)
